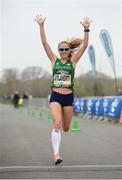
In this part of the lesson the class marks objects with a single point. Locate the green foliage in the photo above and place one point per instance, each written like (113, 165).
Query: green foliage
(85, 85)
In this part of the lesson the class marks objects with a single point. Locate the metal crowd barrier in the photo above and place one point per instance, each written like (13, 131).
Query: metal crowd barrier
(34, 107)
(102, 108)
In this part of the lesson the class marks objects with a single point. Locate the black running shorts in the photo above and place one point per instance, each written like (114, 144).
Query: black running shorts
(62, 99)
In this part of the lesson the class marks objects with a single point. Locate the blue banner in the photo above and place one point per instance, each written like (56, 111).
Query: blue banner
(83, 105)
(107, 44)
(76, 106)
(90, 106)
(91, 53)
(106, 105)
(115, 108)
(99, 106)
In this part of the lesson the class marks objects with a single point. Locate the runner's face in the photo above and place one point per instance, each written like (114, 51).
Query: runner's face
(64, 50)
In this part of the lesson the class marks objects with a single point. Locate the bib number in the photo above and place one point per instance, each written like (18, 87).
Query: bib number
(62, 80)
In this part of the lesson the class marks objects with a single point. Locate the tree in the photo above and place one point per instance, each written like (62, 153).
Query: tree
(33, 73)
(9, 78)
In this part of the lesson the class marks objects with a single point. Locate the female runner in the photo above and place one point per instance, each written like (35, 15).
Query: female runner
(63, 69)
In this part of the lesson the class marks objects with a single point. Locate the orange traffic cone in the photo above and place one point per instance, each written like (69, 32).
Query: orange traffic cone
(120, 119)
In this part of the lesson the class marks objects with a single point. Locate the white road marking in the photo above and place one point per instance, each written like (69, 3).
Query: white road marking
(61, 168)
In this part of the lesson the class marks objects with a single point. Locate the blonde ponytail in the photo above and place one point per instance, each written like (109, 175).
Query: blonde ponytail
(74, 43)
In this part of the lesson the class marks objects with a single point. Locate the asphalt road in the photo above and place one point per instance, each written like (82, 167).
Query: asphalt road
(94, 152)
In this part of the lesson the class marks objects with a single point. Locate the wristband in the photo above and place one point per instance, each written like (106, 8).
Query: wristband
(86, 30)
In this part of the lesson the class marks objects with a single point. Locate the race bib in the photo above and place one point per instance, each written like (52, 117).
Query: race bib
(62, 80)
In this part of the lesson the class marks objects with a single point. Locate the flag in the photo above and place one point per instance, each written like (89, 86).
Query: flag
(91, 53)
(107, 44)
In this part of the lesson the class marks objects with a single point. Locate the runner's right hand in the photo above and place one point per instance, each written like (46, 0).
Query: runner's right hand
(39, 19)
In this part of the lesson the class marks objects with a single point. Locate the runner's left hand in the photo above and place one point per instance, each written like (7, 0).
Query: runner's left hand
(86, 22)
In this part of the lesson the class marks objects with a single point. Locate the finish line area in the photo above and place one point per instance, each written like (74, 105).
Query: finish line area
(61, 168)
(93, 152)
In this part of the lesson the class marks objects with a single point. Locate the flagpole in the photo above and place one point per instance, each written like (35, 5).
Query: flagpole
(115, 77)
(115, 82)
(116, 88)
(95, 88)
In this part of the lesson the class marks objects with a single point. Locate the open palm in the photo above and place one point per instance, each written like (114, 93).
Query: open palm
(86, 22)
(39, 19)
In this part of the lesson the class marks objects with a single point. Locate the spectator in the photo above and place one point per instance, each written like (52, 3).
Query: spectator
(119, 93)
(16, 98)
(25, 98)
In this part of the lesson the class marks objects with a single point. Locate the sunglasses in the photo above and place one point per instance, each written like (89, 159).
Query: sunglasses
(64, 49)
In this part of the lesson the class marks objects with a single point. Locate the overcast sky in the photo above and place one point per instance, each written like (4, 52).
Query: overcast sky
(20, 44)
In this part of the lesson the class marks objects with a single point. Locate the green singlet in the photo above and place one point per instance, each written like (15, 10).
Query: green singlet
(63, 74)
